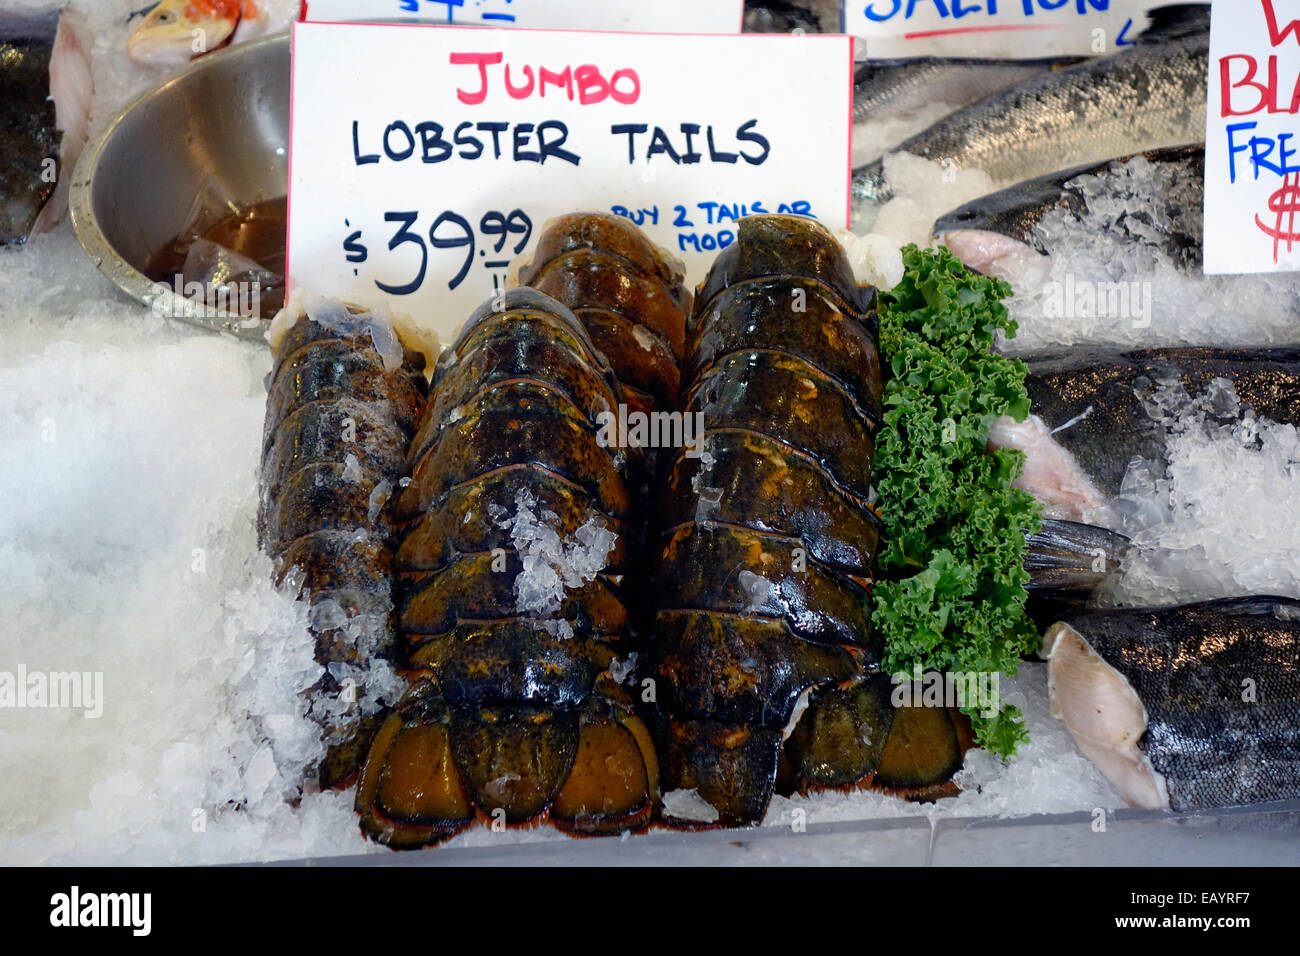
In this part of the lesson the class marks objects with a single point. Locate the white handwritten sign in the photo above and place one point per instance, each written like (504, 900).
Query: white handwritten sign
(1252, 138)
(994, 29)
(423, 159)
(659, 16)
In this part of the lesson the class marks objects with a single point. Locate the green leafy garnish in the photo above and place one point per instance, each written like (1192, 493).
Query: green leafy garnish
(952, 592)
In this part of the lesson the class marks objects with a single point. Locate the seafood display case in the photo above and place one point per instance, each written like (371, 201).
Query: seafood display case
(964, 536)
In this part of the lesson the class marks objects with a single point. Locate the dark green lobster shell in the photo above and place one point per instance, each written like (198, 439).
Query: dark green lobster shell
(768, 540)
(338, 424)
(628, 293)
(512, 712)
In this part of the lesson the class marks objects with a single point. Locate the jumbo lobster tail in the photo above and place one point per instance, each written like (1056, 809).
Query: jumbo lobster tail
(764, 646)
(515, 539)
(630, 296)
(344, 401)
(768, 538)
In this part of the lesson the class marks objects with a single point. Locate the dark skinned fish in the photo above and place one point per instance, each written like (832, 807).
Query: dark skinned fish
(992, 226)
(1070, 558)
(1189, 708)
(1089, 414)
(782, 16)
(1145, 98)
(45, 96)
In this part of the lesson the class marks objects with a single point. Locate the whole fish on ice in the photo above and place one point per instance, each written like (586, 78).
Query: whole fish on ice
(1145, 98)
(892, 88)
(176, 31)
(1089, 416)
(1190, 707)
(1111, 255)
(1010, 224)
(44, 117)
(1068, 562)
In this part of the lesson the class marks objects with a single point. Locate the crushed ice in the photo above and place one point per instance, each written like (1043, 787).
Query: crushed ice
(1122, 283)
(689, 805)
(875, 259)
(924, 190)
(708, 499)
(550, 565)
(623, 669)
(1215, 521)
(352, 469)
(379, 496)
(756, 588)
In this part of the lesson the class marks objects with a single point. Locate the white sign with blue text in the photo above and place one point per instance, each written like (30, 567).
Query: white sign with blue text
(994, 29)
(659, 16)
(424, 159)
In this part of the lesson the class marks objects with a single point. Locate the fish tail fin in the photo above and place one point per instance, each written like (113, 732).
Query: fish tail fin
(1175, 22)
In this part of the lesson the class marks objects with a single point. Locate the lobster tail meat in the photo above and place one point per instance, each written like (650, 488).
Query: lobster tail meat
(515, 537)
(344, 397)
(768, 539)
(630, 295)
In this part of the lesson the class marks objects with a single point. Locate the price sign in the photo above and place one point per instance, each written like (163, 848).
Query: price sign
(994, 29)
(424, 159)
(1252, 138)
(661, 16)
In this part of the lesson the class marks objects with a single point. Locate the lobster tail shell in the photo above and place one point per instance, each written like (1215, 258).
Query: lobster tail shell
(339, 420)
(768, 542)
(785, 247)
(613, 235)
(517, 531)
(730, 766)
(629, 294)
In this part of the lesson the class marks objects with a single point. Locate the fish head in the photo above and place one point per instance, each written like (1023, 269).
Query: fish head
(176, 31)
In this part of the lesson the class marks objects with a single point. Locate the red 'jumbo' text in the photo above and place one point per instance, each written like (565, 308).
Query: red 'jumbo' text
(585, 80)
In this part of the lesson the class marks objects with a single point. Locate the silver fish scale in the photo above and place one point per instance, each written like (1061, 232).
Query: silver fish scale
(1190, 667)
(892, 88)
(1140, 100)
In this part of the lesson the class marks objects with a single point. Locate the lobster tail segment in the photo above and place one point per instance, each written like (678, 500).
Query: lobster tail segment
(411, 794)
(629, 294)
(767, 539)
(515, 537)
(731, 768)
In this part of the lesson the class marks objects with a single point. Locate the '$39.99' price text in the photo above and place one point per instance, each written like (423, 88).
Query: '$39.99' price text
(449, 230)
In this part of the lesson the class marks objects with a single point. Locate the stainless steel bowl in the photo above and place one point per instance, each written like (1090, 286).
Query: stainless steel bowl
(226, 117)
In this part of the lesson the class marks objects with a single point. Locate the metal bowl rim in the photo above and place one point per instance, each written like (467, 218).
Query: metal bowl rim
(157, 296)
